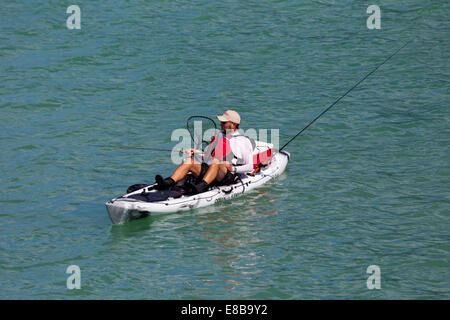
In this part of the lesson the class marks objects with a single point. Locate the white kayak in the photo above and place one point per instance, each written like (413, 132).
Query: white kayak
(123, 209)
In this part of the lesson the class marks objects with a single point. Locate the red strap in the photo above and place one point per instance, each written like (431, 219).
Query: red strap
(210, 145)
(222, 150)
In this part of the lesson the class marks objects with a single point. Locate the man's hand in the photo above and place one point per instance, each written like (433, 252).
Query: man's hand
(191, 152)
(264, 164)
(228, 166)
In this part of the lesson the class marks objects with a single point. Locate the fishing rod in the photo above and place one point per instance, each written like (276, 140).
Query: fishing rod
(145, 148)
(306, 127)
(348, 91)
(129, 147)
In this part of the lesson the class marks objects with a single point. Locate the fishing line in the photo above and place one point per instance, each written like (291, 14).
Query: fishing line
(130, 147)
(348, 91)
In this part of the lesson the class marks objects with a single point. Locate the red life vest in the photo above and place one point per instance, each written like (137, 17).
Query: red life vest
(219, 148)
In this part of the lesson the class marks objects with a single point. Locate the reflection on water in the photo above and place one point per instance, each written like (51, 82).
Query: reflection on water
(224, 243)
(131, 229)
(232, 230)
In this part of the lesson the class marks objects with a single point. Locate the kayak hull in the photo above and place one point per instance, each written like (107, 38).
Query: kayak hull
(123, 209)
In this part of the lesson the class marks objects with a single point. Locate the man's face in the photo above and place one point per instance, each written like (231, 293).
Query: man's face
(227, 126)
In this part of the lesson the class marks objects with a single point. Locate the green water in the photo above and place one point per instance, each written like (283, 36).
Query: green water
(368, 184)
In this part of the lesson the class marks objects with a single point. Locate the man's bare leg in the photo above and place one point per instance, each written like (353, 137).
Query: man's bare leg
(188, 165)
(222, 172)
(213, 169)
(216, 171)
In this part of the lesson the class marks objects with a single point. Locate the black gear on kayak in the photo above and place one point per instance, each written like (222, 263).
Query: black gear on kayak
(188, 186)
(135, 187)
(160, 195)
(192, 189)
(202, 186)
(230, 178)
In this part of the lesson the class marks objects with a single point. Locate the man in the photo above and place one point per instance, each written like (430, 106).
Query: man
(228, 153)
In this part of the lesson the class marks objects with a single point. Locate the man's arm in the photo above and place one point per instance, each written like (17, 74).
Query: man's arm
(247, 157)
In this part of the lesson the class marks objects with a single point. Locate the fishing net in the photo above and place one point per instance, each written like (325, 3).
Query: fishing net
(201, 129)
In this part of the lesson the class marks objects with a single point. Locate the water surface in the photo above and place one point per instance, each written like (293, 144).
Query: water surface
(366, 185)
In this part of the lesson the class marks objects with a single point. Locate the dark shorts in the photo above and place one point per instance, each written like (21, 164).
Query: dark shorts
(228, 179)
(205, 168)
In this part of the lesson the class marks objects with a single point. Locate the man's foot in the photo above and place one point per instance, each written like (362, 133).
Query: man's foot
(162, 184)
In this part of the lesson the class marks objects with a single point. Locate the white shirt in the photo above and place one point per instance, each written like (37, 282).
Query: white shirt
(243, 150)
